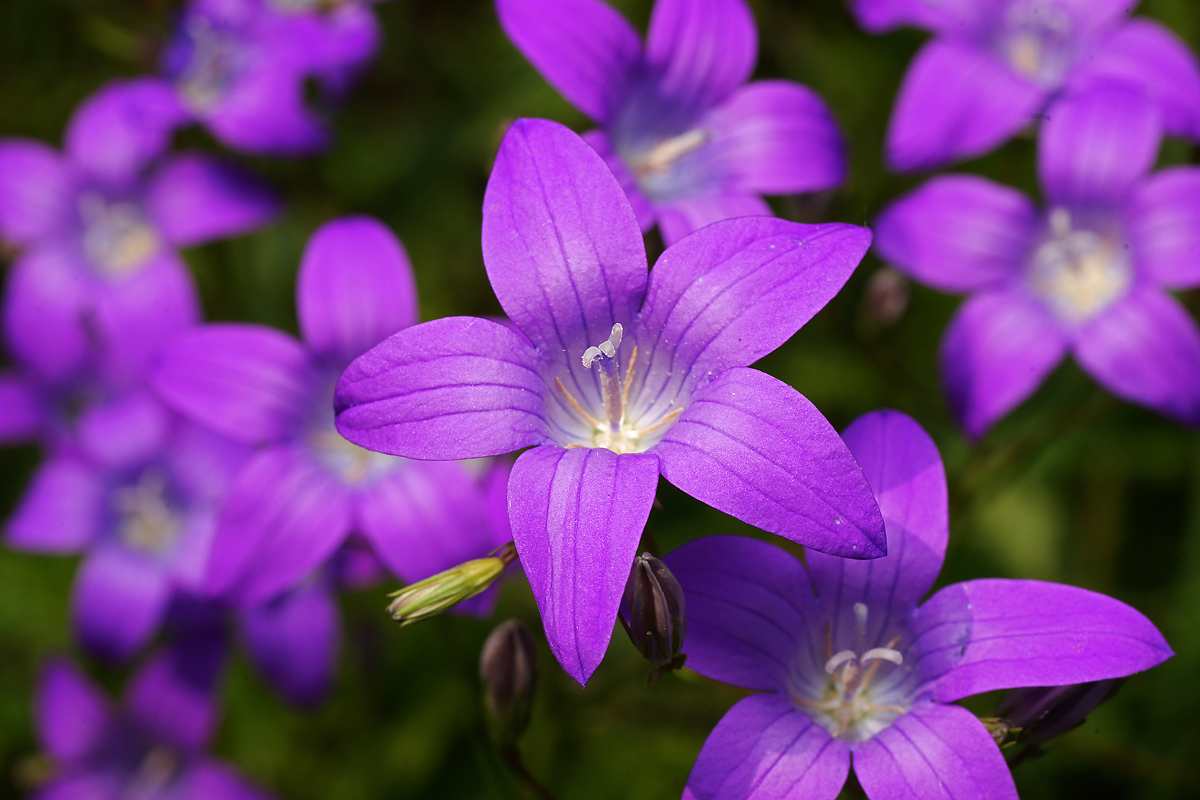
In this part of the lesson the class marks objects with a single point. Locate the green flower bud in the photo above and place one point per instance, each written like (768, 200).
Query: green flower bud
(437, 593)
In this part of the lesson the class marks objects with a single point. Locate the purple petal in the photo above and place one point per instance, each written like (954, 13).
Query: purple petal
(584, 48)
(459, 387)
(764, 749)
(577, 517)
(62, 508)
(749, 606)
(997, 350)
(251, 383)
(194, 199)
(956, 101)
(944, 16)
(1146, 349)
(71, 715)
(1164, 227)
(355, 288)
(992, 634)
(1096, 144)
(174, 694)
(119, 599)
(778, 137)
(350, 37)
(905, 471)
(266, 113)
(642, 207)
(562, 247)
(683, 216)
(35, 191)
(958, 233)
(284, 517)
(293, 640)
(125, 432)
(934, 752)
(1146, 53)
(427, 517)
(45, 308)
(755, 448)
(209, 780)
(701, 50)
(133, 319)
(23, 410)
(735, 291)
(117, 131)
(87, 785)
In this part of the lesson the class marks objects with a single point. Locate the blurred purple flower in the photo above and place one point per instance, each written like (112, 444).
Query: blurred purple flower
(612, 379)
(860, 670)
(149, 748)
(1089, 275)
(996, 65)
(97, 275)
(306, 488)
(139, 494)
(690, 141)
(240, 66)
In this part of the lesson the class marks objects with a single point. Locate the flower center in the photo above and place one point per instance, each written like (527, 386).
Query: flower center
(1079, 273)
(1037, 42)
(215, 60)
(153, 774)
(614, 430)
(351, 464)
(116, 236)
(654, 167)
(147, 522)
(851, 705)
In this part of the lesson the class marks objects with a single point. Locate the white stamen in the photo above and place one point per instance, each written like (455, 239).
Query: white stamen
(833, 664)
(884, 654)
(668, 151)
(607, 348)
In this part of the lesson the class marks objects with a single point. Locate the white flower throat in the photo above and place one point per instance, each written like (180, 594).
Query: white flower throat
(1079, 273)
(1037, 42)
(117, 238)
(614, 429)
(146, 520)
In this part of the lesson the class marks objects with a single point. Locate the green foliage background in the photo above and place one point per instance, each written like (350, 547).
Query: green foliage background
(1074, 486)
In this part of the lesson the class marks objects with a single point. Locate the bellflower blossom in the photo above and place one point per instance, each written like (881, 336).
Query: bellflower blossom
(995, 66)
(850, 664)
(240, 66)
(306, 489)
(139, 495)
(97, 229)
(1088, 275)
(689, 139)
(612, 379)
(151, 747)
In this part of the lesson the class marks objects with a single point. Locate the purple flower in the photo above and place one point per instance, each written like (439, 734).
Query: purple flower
(996, 65)
(240, 66)
(149, 748)
(306, 488)
(139, 494)
(689, 139)
(97, 277)
(1088, 275)
(850, 664)
(612, 379)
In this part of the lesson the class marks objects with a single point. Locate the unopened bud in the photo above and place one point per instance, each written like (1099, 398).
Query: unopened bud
(886, 297)
(1038, 714)
(653, 614)
(442, 591)
(508, 667)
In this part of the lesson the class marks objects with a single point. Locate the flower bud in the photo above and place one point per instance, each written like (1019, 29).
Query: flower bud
(886, 297)
(652, 613)
(508, 667)
(1035, 715)
(444, 590)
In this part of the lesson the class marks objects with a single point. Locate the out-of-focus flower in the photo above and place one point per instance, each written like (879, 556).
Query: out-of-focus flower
(611, 379)
(1089, 275)
(306, 488)
(996, 65)
(240, 67)
(690, 141)
(508, 669)
(151, 747)
(97, 275)
(653, 613)
(139, 495)
(850, 666)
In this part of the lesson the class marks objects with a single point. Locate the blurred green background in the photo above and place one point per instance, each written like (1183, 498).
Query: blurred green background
(1074, 486)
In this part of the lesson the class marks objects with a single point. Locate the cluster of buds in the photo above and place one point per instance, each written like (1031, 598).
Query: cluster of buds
(653, 614)
(443, 591)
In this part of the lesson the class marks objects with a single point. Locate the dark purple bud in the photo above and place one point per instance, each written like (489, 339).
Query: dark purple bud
(886, 297)
(1034, 715)
(508, 667)
(653, 614)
